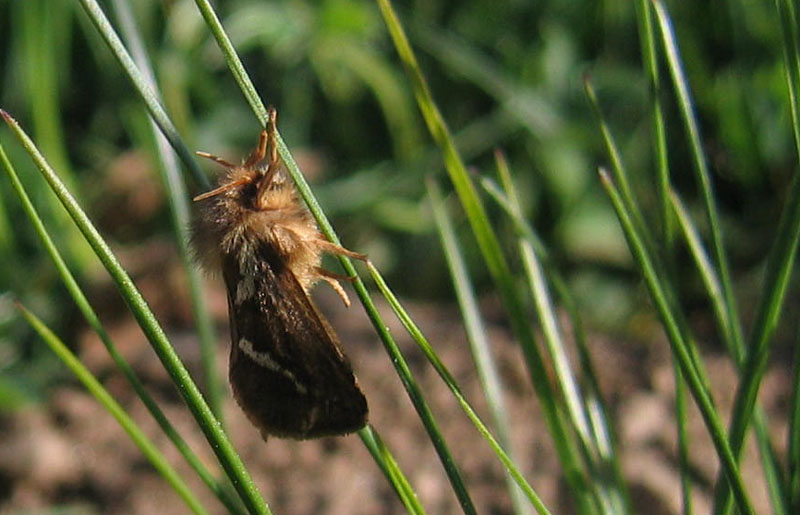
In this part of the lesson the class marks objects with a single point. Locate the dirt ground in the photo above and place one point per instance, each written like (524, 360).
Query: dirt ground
(71, 453)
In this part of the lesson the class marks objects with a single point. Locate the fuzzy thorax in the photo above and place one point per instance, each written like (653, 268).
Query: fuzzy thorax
(236, 221)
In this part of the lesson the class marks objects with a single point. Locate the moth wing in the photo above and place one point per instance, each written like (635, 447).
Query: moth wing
(286, 368)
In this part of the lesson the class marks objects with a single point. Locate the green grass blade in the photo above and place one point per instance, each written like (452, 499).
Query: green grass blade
(648, 240)
(650, 61)
(776, 281)
(380, 453)
(708, 275)
(211, 428)
(150, 98)
(601, 464)
(789, 27)
(595, 406)
(180, 212)
(714, 291)
(683, 438)
(92, 319)
(453, 473)
(703, 176)
(644, 21)
(679, 347)
(448, 379)
(620, 173)
(490, 248)
(779, 264)
(46, 30)
(476, 335)
(418, 400)
(101, 394)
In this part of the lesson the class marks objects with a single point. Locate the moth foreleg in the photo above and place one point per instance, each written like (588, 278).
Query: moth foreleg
(333, 248)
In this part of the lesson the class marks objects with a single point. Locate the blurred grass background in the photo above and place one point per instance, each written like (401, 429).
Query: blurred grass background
(505, 75)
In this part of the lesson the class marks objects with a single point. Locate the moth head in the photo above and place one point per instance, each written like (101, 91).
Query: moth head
(251, 180)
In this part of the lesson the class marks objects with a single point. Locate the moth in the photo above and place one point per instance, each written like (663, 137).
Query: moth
(287, 371)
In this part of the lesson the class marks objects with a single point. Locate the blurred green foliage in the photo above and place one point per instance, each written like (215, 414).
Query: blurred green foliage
(505, 74)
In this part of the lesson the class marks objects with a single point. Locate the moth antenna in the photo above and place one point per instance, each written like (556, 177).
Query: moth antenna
(222, 189)
(216, 159)
(259, 152)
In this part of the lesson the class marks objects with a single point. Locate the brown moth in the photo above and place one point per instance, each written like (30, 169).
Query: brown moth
(287, 371)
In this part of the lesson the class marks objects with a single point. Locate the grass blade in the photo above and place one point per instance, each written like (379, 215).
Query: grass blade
(191, 394)
(92, 319)
(779, 264)
(602, 464)
(714, 291)
(448, 379)
(101, 394)
(679, 347)
(702, 173)
(594, 404)
(476, 335)
(644, 21)
(776, 281)
(386, 462)
(150, 98)
(490, 248)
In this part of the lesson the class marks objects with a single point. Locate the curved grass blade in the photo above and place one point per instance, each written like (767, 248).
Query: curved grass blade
(180, 212)
(476, 335)
(679, 346)
(93, 320)
(683, 437)
(490, 249)
(647, 239)
(147, 447)
(417, 399)
(211, 428)
(644, 19)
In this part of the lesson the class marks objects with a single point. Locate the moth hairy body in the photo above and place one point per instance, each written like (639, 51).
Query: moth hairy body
(287, 371)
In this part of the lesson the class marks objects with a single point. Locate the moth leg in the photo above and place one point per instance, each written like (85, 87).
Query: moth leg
(333, 279)
(333, 248)
(216, 159)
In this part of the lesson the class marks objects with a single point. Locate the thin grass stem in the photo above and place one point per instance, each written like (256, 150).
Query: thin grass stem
(147, 447)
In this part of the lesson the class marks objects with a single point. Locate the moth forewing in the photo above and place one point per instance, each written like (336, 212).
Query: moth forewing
(287, 371)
